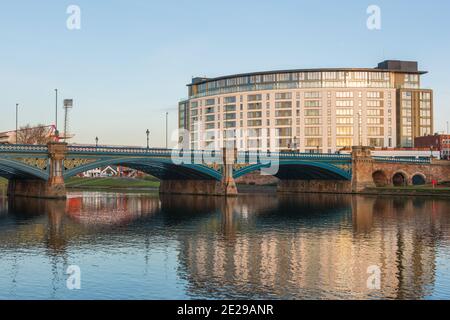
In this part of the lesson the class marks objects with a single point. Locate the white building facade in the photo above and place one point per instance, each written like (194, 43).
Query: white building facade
(316, 111)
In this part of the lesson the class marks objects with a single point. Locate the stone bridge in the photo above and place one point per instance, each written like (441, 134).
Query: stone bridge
(41, 171)
(370, 171)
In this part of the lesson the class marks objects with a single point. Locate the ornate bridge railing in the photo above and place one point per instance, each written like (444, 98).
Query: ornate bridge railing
(403, 160)
(18, 148)
(160, 152)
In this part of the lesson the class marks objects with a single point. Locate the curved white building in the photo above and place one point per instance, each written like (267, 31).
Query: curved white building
(309, 110)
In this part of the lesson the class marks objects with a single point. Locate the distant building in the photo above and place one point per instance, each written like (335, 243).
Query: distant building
(439, 142)
(93, 173)
(7, 137)
(112, 171)
(109, 172)
(309, 110)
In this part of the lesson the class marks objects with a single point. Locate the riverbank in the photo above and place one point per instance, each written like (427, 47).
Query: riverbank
(111, 183)
(410, 191)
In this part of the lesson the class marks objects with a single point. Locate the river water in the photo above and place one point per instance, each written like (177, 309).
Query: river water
(256, 246)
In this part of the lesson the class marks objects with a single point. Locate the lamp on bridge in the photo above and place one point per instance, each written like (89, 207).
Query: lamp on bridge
(17, 121)
(96, 141)
(148, 138)
(56, 115)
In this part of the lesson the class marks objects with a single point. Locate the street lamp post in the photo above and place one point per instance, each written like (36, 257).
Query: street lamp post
(148, 138)
(96, 142)
(17, 121)
(56, 114)
(360, 129)
(167, 130)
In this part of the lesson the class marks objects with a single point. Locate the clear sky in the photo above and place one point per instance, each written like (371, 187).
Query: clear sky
(130, 61)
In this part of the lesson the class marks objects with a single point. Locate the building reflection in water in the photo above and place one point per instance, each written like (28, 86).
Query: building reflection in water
(254, 246)
(98, 209)
(317, 246)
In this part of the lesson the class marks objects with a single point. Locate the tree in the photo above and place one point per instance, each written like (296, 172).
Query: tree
(39, 134)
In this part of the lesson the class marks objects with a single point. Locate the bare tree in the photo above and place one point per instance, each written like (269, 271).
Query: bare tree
(39, 134)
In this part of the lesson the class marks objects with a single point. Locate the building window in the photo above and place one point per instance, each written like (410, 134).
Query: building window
(210, 102)
(230, 124)
(344, 94)
(254, 114)
(313, 113)
(283, 105)
(375, 95)
(314, 142)
(378, 121)
(375, 131)
(254, 106)
(283, 113)
(313, 121)
(344, 120)
(228, 100)
(344, 142)
(254, 123)
(344, 112)
(376, 142)
(283, 122)
(313, 95)
(313, 103)
(344, 131)
(283, 96)
(254, 97)
(344, 103)
(313, 131)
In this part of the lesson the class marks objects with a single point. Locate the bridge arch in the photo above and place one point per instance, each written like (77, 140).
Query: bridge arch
(400, 179)
(419, 179)
(300, 170)
(13, 169)
(163, 169)
(380, 178)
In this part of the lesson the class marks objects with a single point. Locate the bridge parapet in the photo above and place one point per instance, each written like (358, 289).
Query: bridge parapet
(403, 160)
(16, 148)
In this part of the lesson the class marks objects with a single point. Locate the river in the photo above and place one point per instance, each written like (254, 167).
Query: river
(255, 246)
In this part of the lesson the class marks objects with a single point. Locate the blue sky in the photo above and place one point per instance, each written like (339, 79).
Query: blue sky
(131, 60)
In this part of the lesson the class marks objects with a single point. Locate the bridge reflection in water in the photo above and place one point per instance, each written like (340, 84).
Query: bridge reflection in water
(253, 246)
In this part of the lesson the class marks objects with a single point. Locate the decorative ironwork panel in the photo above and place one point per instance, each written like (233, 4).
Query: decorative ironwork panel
(70, 164)
(345, 167)
(40, 163)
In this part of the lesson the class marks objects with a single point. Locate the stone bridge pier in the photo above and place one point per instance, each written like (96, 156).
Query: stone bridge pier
(53, 188)
(225, 187)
